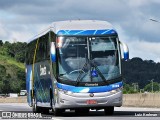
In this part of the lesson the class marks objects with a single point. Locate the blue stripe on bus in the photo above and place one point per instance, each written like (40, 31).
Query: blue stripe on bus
(94, 89)
(86, 32)
(126, 55)
(28, 83)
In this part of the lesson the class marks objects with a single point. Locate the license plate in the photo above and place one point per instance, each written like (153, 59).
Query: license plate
(91, 102)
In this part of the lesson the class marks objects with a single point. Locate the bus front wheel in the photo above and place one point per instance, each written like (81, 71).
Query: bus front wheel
(58, 112)
(109, 110)
(80, 111)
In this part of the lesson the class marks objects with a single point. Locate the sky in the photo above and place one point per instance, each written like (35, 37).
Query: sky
(20, 20)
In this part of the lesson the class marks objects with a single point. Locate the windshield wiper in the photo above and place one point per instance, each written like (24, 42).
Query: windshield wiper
(78, 78)
(62, 74)
(99, 72)
(95, 66)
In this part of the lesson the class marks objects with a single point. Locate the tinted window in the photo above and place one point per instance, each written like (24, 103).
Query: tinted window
(43, 48)
(30, 52)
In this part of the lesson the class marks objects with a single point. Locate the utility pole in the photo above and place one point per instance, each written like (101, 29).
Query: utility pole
(152, 85)
(156, 21)
(135, 86)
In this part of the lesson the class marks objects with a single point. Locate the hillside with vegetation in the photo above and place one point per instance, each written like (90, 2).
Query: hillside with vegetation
(12, 70)
(138, 75)
(141, 75)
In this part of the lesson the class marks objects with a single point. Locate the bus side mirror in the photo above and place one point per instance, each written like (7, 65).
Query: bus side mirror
(53, 52)
(125, 51)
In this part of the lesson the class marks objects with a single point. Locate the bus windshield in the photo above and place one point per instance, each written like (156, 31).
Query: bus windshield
(88, 59)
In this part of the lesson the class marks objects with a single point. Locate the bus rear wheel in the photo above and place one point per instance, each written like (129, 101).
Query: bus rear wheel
(35, 108)
(45, 110)
(109, 110)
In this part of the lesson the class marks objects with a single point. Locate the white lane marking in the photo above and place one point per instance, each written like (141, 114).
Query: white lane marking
(56, 118)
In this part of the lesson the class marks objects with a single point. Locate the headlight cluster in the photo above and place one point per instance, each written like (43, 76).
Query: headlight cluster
(116, 90)
(65, 92)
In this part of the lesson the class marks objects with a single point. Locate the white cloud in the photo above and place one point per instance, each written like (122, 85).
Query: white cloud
(19, 36)
(139, 48)
(138, 3)
(21, 20)
(3, 31)
(26, 33)
(144, 49)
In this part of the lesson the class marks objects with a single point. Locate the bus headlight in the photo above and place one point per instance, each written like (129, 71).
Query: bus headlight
(116, 90)
(65, 92)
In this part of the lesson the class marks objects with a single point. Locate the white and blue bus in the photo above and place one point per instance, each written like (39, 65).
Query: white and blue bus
(75, 65)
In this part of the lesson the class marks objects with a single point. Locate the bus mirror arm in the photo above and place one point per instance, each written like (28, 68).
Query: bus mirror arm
(53, 52)
(125, 51)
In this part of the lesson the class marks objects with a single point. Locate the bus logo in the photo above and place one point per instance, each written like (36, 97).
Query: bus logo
(94, 73)
(42, 70)
(91, 94)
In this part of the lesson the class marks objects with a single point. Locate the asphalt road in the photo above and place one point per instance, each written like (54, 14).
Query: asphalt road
(121, 113)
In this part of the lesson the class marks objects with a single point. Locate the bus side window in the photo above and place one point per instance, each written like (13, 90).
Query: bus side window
(47, 49)
(26, 57)
(43, 48)
(30, 52)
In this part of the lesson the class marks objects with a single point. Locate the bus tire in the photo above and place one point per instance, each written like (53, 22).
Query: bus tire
(109, 110)
(51, 98)
(45, 110)
(35, 108)
(58, 112)
(81, 111)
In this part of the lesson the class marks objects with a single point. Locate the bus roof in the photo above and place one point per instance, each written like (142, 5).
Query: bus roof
(81, 25)
(76, 27)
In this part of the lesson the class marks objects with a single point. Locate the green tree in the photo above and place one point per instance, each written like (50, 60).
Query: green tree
(5, 50)
(1, 85)
(1, 43)
(128, 89)
(18, 51)
(15, 50)
(15, 86)
(20, 56)
(156, 87)
(2, 70)
(6, 84)
(140, 71)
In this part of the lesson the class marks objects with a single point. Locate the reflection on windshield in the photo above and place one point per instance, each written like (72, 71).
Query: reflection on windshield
(104, 54)
(101, 64)
(72, 57)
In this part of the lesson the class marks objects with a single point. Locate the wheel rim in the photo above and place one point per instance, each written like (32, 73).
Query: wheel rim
(34, 105)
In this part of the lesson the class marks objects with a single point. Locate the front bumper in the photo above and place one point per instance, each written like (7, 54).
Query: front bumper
(79, 100)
